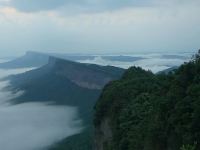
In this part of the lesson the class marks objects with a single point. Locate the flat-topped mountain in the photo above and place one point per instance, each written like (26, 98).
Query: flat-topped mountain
(37, 59)
(30, 59)
(87, 76)
(62, 82)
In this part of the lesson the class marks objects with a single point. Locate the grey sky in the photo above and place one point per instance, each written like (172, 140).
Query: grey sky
(99, 26)
(99, 5)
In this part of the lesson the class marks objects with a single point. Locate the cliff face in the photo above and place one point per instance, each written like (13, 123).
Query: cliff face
(143, 111)
(103, 135)
(70, 81)
(85, 75)
(115, 98)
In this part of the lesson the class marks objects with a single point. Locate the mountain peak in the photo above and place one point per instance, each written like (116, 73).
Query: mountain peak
(34, 54)
(52, 60)
(30, 59)
(84, 75)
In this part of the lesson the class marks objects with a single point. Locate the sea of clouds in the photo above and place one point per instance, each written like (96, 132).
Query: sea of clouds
(33, 126)
(154, 62)
(36, 126)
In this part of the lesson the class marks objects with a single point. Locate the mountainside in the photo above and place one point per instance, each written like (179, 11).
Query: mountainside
(144, 111)
(122, 58)
(62, 82)
(30, 59)
(167, 71)
(37, 59)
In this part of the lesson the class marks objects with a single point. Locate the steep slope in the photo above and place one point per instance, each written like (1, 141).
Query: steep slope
(37, 59)
(62, 82)
(30, 59)
(143, 111)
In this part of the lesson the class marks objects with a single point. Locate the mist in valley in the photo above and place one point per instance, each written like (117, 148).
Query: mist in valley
(154, 62)
(31, 126)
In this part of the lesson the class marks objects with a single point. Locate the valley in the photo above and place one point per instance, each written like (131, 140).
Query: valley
(57, 83)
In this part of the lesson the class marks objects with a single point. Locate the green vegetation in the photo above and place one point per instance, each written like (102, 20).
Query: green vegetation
(82, 141)
(153, 112)
(188, 147)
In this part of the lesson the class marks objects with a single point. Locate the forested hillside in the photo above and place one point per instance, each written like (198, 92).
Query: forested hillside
(144, 111)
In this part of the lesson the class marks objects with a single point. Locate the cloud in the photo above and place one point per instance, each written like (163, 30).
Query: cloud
(7, 72)
(153, 62)
(36, 5)
(6, 95)
(86, 5)
(31, 126)
(171, 25)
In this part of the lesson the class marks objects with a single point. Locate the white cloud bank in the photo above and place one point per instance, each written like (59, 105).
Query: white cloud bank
(33, 126)
(153, 62)
(7, 72)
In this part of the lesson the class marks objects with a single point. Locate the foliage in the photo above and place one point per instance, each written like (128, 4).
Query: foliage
(82, 141)
(153, 112)
(188, 147)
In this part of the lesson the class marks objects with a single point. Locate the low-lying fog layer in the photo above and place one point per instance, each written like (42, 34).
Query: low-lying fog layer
(33, 126)
(3, 60)
(153, 62)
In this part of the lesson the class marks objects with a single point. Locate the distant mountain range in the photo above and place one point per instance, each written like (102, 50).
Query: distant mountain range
(153, 62)
(37, 59)
(30, 59)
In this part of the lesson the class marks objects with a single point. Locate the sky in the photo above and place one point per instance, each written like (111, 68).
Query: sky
(99, 26)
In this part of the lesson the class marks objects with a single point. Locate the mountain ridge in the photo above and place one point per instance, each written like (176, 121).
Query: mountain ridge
(64, 82)
(80, 74)
(30, 59)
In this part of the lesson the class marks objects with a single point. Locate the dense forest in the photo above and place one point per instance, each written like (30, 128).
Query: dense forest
(147, 111)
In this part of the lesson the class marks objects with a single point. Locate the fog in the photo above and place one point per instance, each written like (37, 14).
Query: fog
(7, 72)
(153, 62)
(33, 126)
(3, 60)
(36, 126)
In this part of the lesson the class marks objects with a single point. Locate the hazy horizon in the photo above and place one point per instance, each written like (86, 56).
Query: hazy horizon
(10, 56)
(85, 26)
(155, 62)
